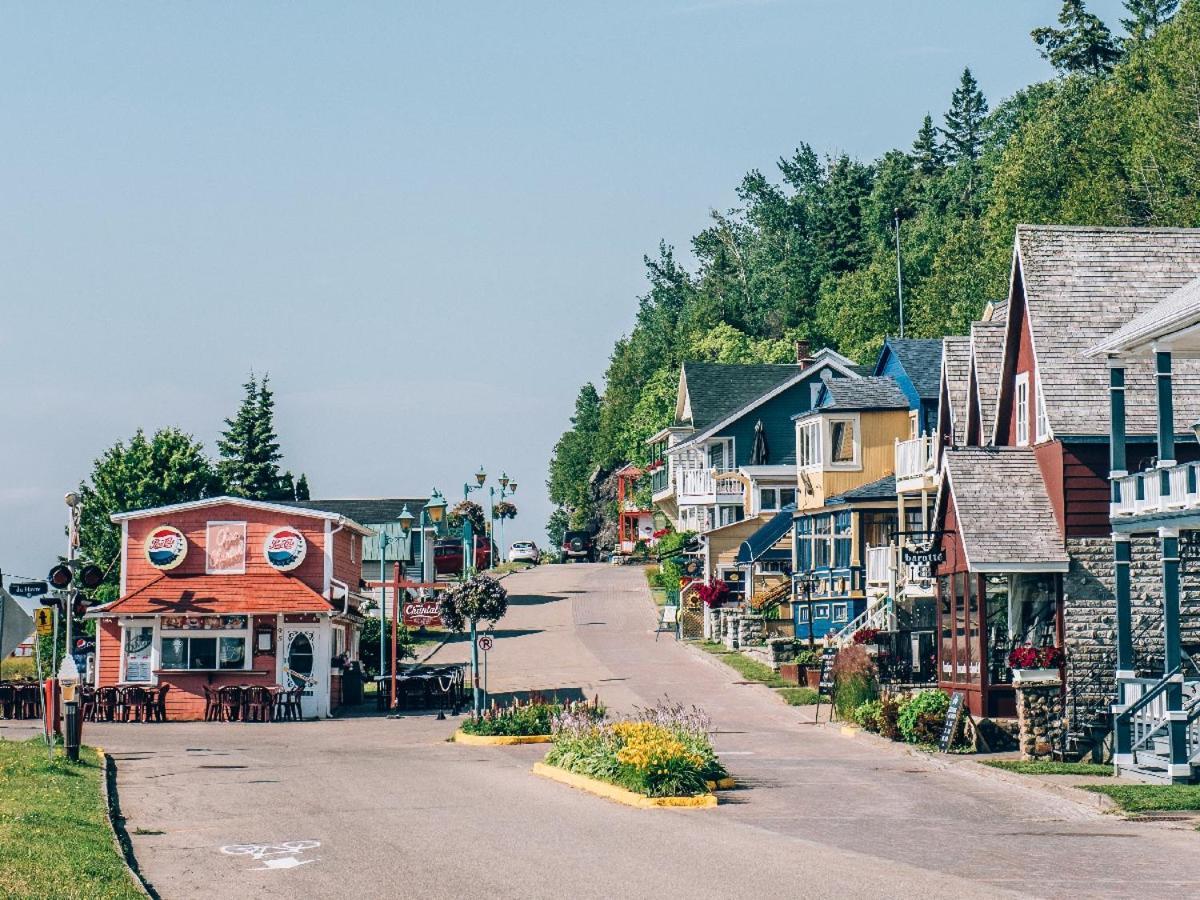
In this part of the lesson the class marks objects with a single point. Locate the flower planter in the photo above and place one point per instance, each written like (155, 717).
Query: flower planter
(499, 740)
(812, 677)
(1041, 676)
(620, 794)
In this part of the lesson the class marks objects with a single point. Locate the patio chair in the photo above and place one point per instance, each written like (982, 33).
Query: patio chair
(212, 704)
(27, 700)
(133, 704)
(87, 703)
(257, 704)
(230, 702)
(8, 700)
(108, 700)
(160, 703)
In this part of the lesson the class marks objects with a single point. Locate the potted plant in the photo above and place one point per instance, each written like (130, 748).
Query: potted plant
(810, 660)
(1030, 663)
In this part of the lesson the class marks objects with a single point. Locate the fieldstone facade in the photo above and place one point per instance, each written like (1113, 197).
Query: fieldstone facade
(1040, 718)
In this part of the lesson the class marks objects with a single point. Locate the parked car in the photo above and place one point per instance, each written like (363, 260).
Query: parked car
(448, 555)
(524, 551)
(579, 545)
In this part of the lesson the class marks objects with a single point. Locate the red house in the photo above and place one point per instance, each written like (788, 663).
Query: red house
(232, 591)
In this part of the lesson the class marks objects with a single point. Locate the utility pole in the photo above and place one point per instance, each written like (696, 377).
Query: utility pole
(899, 272)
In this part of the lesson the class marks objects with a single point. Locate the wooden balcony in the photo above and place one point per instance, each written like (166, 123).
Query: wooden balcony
(879, 566)
(701, 487)
(916, 464)
(1142, 493)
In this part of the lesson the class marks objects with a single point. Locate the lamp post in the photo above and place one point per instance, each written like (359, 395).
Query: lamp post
(406, 519)
(433, 512)
(468, 537)
(507, 488)
(807, 581)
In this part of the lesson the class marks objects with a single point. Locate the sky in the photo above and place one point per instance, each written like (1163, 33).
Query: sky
(426, 222)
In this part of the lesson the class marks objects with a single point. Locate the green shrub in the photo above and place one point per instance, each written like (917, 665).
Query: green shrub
(887, 718)
(810, 659)
(921, 717)
(523, 719)
(867, 714)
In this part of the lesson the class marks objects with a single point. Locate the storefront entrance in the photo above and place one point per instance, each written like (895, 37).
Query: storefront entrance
(299, 666)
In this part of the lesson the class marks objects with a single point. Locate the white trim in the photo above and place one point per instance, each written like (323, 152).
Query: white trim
(142, 621)
(1040, 416)
(1020, 568)
(327, 553)
(1168, 532)
(96, 667)
(124, 556)
(829, 420)
(242, 502)
(1020, 407)
(246, 634)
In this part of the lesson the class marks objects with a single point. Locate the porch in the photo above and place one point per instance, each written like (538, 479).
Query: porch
(916, 464)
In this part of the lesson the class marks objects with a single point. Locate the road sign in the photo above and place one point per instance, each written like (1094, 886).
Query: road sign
(28, 588)
(486, 642)
(15, 624)
(44, 617)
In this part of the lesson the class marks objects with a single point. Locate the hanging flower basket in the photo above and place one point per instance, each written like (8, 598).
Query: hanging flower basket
(1031, 664)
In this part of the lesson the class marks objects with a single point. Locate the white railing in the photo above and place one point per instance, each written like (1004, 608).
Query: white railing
(879, 564)
(1152, 499)
(694, 482)
(915, 458)
(874, 617)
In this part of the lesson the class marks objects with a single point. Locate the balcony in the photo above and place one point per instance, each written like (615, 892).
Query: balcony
(660, 480)
(701, 486)
(879, 566)
(1142, 494)
(916, 464)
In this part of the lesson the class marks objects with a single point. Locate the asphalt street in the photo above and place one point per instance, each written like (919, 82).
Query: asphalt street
(374, 807)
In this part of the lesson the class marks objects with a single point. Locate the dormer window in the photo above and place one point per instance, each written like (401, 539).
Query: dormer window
(1022, 409)
(1042, 428)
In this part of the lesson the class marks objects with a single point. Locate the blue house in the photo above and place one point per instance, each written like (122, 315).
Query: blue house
(916, 365)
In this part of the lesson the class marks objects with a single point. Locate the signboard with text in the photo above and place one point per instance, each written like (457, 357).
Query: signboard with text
(950, 727)
(421, 613)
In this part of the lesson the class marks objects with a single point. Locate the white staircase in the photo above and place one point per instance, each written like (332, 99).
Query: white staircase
(878, 616)
(1144, 714)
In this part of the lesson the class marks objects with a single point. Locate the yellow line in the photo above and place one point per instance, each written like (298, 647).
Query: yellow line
(620, 794)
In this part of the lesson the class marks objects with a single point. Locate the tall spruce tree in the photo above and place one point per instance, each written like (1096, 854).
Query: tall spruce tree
(1083, 45)
(302, 492)
(1146, 17)
(249, 463)
(926, 151)
(966, 120)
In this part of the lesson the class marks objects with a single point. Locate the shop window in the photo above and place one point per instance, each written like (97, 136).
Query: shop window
(137, 647)
(1033, 610)
(204, 653)
(999, 641)
(946, 627)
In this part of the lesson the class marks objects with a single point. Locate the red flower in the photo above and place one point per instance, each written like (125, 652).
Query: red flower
(1027, 657)
(713, 593)
(866, 635)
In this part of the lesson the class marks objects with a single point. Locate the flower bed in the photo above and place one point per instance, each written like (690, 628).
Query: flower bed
(533, 717)
(915, 718)
(663, 751)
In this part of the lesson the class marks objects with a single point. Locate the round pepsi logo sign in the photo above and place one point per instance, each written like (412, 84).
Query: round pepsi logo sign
(284, 549)
(166, 547)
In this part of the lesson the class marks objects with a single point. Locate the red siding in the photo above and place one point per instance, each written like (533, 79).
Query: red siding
(1085, 483)
(1049, 457)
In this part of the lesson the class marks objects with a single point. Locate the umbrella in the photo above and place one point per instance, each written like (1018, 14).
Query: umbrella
(760, 454)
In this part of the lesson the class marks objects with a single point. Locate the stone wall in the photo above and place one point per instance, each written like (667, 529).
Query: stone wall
(752, 631)
(1040, 719)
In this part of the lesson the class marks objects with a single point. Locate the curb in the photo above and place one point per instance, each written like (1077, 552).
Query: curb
(722, 784)
(500, 740)
(620, 794)
(116, 823)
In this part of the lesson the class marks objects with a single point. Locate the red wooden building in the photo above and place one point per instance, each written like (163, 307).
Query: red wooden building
(634, 523)
(232, 591)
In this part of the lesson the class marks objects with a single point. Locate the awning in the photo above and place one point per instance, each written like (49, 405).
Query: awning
(759, 544)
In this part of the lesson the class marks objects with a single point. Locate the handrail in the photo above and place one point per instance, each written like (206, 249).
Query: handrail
(1143, 701)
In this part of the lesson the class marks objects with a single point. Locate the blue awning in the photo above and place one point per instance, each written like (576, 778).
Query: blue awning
(760, 543)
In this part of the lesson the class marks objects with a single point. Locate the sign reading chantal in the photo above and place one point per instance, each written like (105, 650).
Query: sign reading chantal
(285, 548)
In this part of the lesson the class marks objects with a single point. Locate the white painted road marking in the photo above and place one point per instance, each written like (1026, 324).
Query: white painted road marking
(274, 856)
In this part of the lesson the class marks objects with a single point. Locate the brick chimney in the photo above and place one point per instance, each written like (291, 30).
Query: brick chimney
(803, 353)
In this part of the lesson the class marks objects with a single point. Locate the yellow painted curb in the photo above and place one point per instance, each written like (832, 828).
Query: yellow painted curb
(721, 784)
(499, 740)
(850, 730)
(620, 794)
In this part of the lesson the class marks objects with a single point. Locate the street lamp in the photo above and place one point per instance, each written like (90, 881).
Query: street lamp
(468, 536)
(808, 581)
(507, 488)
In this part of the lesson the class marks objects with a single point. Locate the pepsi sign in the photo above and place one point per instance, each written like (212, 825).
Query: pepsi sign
(284, 549)
(166, 547)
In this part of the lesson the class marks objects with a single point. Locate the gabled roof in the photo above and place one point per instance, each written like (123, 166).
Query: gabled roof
(1081, 284)
(1003, 513)
(714, 390)
(883, 489)
(872, 392)
(284, 508)
(758, 544)
(921, 359)
(956, 367)
(824, 359)
(1178, 310)
(366, 510)
(987, 358)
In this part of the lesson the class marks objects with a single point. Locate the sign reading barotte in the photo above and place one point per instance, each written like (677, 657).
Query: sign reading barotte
(421, 613)
(931, 557)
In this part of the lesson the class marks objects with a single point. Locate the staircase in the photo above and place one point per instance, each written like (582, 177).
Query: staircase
(1146, 727)
(874, 617)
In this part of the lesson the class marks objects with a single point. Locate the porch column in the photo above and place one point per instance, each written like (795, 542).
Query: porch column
(1116, 444)
(1172, 657)
(1166, 416)
(1122, 557)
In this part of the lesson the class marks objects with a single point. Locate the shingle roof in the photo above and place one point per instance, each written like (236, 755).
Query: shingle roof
(883, 489)
(956, 366)
(874, 392)
(1081, 285)
(1003, 513)
(922, 361)
(1179, 309)
(220, 594)
(717, 389)
(987, 356)
(366, 511)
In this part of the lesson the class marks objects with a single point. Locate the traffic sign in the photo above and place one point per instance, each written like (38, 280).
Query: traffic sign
(28, 588)
(485, 642)
(44, 617)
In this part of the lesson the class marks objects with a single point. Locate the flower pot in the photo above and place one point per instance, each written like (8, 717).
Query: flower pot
(812, 677)
(1042, 676)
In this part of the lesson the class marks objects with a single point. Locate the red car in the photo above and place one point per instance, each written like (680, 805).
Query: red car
(448, 555)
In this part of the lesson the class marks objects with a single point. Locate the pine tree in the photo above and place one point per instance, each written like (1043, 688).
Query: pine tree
(966, 120)
(302, 492)
(249, 464)
(1083, 45)
(1146, 16)
(927, 153)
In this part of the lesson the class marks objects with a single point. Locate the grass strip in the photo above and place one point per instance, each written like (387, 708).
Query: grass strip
(1048, 767)
(798, 696)
(55, 839)
(753, 670)
(1150, 797)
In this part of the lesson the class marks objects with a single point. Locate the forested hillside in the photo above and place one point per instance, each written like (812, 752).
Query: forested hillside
(809, 253)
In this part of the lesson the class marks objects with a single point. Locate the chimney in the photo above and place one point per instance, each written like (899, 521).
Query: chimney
(803, 353)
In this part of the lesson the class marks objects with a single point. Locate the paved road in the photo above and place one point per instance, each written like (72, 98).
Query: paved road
(399, 812)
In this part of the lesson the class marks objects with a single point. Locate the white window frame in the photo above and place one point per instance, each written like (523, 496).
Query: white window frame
(728, 445)
(247, 634)
(1042, 424)
(1021, 408)
(855, 423)
(774, 507)
(154, 647)
(811, 430)
(817, 607)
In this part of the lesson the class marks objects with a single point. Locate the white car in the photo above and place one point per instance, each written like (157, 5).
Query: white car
(524, 551)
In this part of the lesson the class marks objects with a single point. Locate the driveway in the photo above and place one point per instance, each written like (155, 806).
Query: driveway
(388, 808)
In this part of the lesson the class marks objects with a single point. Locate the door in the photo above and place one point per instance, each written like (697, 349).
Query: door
(300, 667)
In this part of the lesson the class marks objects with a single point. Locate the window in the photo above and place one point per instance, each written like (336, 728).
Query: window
(352, 559)
(841, 540)
(787, 497)
(767, 499)
(803, 608)
(720, 455)
(137, 647)
(821, 611)
(1022, 409)
(731, 514)
(1043, 426)
(803, 539)
(205, 653)
(840, 613)
(843, 442)
(821, 549)
(808, 444)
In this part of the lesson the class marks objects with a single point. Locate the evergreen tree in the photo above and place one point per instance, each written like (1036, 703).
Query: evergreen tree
(966, 120)
(250, 456)
(302, 492)
(926, 151)
(1083, 45)
(1146, 16)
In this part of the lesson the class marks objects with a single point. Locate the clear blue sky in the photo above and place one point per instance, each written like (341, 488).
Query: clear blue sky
(427, 224)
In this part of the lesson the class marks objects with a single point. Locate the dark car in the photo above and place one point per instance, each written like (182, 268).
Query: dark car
(579, 545)
(448, 555)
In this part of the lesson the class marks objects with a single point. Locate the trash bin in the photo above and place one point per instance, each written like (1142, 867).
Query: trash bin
(352, 683)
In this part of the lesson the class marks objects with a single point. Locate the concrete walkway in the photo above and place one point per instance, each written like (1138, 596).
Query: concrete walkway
(388, 808)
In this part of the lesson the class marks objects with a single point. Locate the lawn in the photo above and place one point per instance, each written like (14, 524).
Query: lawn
(753, 670)
(1048, 767)
(1150, 797)
(55, 840)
